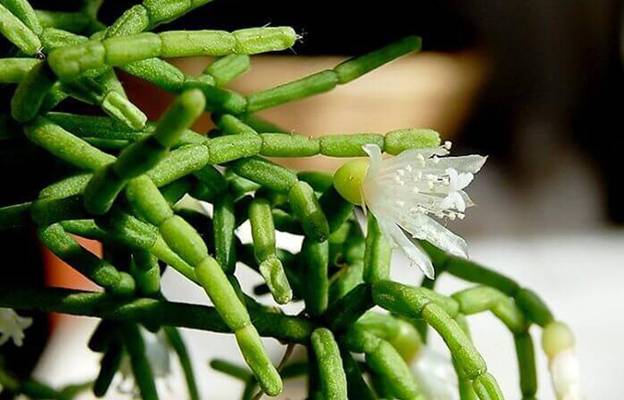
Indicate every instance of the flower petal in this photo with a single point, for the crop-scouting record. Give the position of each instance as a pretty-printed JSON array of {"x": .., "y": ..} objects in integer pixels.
[
  {"x": 471, "y": 163},
  {"x": 424, "y": 227},
  {"x": 415, "y": 254},
  {"x": 565, "y": 375}
]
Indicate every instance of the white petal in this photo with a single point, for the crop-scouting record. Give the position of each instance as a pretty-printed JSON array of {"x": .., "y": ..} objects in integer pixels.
[
  {"x": 415, "y": 254},
  {"x": 374, "y": 153},
  {"x": 414, "y": 157},
  {"x": 425, "y": 228},
  {"x": 565, "y": 375},
  {"x": 467, "y": 200},
  {"x": 471, "y": 163},
  {"x": 453, "y": 201}
]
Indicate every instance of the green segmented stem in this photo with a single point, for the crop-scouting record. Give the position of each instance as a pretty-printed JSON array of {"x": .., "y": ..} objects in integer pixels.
[
  {"x": 185, "y": 241},
  {"x": 378, "y": 253},
  {"x": 345, "y": 280},
  {"x": 415, "y": 302},
  {"x": 213, "y": 184},
  {"x": 486, "y": 387},
  {"x": 228, "y": 101},
  {"x": 151, "y": 312},
  {"x": 263, "y": 234},
  {"x": 109, "y": 365},
  {"x": 224, "y": 225},
  {"x": 177, "y": 343},
  {"x": 525, "y": 354},
  {"x": 24, "y": 11},
  {"x": 151, "y": 13},
  {"x": 307, "y": 209},
  {"x": 316, "y": 258},
  {"x": 357, "y": 387},
  {"x": 299, "y": 89},
  {"x": 458, "y": 343},
  {"x": 473, "y": 272},
  {"x": 52, "y": 38},
  {"x": 66, "y": 146},
  {"x": 320, "y": 181},
  {"x": 74, "y": 22},
  {"x": 135, "y": 346},
  {"x": 13, "y": 70},
  {"x": 125, "y": 229},
  {"x": 385, "y": 361},
  {"x": 331, "y": 373},
  {"x": 30, "y": 388},
  {"x": 99, "y": 271},
  {"x": 337, "y": 210},
  {"x": 288, "y": 265},
  {"x": 482, "y": 298},
  {"x": 327, "y": 80},
  {"x": 46, "y": 212},
  {"x": 104, "y": 334},
  {"x": 69, "y": 62},
  {"x": 31, "y": 92},
  {"x": 17, "y": 32},
  {"x": 466, "y": 391},
  {"x": 226, "y": 69},
  {"x": 402, "y": 335},
  {"x": 231, "y": 125},
  {"x": 145, "y": 270},
  {"x": 349, "y": 308},
  {"x": 96, "y": 127},
  {"x": 533, "y": 306},
  {"x": 358, "y": 66},
  {"x": 143, "y": 155},
  {"x": 15, "y": 216},
  {"x": 242, "y": 142},
  {"x": 231, "y": 369},
  {"x": 180, "y": 163},
  {"x": 101, "y": 87},
  {"x": 528, "y": 301}
]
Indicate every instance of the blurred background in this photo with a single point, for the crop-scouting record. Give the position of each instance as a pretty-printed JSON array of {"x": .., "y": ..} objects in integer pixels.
[{"x": 536, "y": 85}]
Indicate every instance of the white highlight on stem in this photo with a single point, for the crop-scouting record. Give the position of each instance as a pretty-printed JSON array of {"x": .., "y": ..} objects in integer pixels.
[{"x": 406, "y": 191}]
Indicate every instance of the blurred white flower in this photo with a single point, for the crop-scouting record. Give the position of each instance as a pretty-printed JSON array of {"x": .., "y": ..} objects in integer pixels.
[
  {"x": 435, "y": 375},
  {"x": 565, "y": 375},
  {"x": 559, "y": 345},
  {"x": 405, "y": 191},
  {"x": 12, "y": 326},
  {"x": 158, "y": 355}
]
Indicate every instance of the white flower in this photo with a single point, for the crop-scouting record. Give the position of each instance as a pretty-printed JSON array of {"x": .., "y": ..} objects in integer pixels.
[
  {"x": 404, "y": 192},
  {"x": 435, "y": 375},
  {"x": 12, "y": 326},
  {"x": 558, "y": 343},
  {"x": 158, "y": 354},
  {"x": 565, "y": 375}
]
